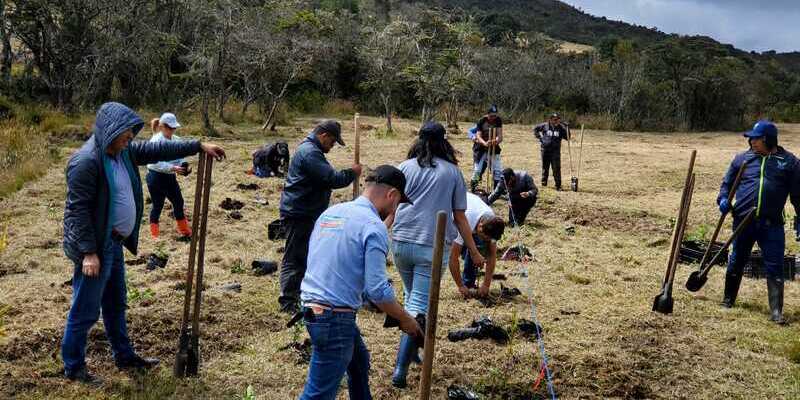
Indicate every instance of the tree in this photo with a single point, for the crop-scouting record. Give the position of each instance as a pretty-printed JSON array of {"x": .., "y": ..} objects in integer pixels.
[{"x": 6, "y": 56}]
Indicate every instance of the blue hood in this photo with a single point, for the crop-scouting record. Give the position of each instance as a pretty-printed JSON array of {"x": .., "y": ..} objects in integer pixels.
[{"x": 113, "y": 119}]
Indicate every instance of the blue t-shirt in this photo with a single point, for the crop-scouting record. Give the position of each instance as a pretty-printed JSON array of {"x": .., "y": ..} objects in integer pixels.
[
  {"x": 124, "y": 218},
  {"x": 440, "y": 188},
  {"x": 347, "y": 257}
]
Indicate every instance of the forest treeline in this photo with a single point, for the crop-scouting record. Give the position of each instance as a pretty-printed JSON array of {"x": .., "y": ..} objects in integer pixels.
[{"x": 447, "y": 60}]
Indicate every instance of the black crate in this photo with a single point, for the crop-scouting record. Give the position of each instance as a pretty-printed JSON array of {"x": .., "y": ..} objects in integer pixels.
[
  {"x": 691, "y": 252},
  {"x": 755, "y": 266}
]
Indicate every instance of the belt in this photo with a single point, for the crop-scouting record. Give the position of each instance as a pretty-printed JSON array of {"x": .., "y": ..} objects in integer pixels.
[
  {"x": 319, "y": 308},
  {"x": 115, "y": 236}
]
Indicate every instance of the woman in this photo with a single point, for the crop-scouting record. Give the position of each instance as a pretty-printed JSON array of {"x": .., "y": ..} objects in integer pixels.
[
  {"x": 161, "y": 181},
  {"x": 433, "y": 183}
]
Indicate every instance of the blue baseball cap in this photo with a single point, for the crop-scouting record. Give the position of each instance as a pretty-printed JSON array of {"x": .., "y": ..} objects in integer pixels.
[{"x": 762, "y": 128}]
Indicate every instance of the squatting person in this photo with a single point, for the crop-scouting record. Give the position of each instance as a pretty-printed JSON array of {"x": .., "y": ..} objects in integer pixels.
[
  {"x": 104, "y": 207},
  {"x": 347, "y": 258},
  {"x": 487, "y": 229},
  {"x": 306, "y": 194},
  {"x": 482, "y": 142},
  {"x": 550, "y": 135},
  {"x": 434, "y": 183},
  {"x": 162, "y": 182},
  {"x": 772, "y": 174},
  {"x": 521, "y": 195}
]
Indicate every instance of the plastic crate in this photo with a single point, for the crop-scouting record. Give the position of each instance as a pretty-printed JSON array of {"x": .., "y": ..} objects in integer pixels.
[
  {"x": 691, "y": 252},
  {"x": 755, "y": 266}
]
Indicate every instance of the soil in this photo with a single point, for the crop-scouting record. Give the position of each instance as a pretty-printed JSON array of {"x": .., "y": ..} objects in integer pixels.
[
  {"x": 248, "y": 186},
  {"x": 230, "y": 204},
  {"x": 301, "y": 350}
]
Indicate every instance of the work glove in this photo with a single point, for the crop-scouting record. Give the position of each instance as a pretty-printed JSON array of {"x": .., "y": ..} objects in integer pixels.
[
  {"x": 724, "y": 206},
  {"x": 797, "y": 228}
]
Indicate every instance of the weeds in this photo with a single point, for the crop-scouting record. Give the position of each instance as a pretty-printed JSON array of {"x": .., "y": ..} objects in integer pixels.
[
  {"x": 238, "y": 266},
  {"x": 249, "y": 393},
  {"x": 134, "y": 294},
  {"x": 4, "y": 240}
]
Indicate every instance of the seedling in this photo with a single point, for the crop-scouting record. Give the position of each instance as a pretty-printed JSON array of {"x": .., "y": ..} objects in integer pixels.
[
  {"x": 4, "y": 240},
  {"x": 249, "y": 393},
  {"x": 134, "y": 294},
  {"x": 237, "y": 267}
]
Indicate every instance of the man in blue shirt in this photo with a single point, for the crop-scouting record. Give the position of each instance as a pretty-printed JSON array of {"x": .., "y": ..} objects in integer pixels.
[
  {"x": 771, "y": 175},
  {"x": 347, "y": 259}
]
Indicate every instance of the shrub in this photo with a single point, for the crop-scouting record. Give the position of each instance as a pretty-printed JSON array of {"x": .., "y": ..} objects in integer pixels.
[{"x": 23, "y": 156}]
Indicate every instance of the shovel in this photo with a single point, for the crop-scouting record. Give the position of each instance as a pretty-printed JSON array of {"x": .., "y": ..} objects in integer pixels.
[
  {"x": 573, "y": 184},
  {"x": 187, "y": 359},
  {"x": 663, "y": 301},
  {"x": 573, "y": 181},
  {"x": 357, "y": 159},
  {"x": 699, "y": 278},
  {"x": 490, "y": 162}
]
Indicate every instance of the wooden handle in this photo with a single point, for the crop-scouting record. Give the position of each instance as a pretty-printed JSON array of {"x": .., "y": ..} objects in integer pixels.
[
  {"x": 356, "y": 157},
  {"x": 201, "y": 248},
  {"x": 433, "y": 307},
  {"x": 722, "y": 216},
  {"x": 198, "y": 199},
  {"x": 675, "y": 244}
]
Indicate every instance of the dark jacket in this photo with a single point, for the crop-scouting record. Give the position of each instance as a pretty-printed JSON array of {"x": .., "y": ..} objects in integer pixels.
[
  {"x": 522, "y": 183},
  {"x": 551, "y": 136},
  {"x": 766, "y": 183},
  {"x": 310, "y": 180},
  {"x": 485, "y": 131},
  {"x": 90, "y": 180}
]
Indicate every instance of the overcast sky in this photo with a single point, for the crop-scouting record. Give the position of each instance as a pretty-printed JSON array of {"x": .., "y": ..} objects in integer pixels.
[{"x": 758, "y": 25}]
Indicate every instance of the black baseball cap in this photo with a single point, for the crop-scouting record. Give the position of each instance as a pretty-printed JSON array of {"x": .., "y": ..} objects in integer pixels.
[
  {"x": 555, "y": 115},
  {"x": 432, "y": 130},
  {"x": 389, "y": 175},
  {"x": 493, "y": 109},
  {"x": 331, "y": 126}
]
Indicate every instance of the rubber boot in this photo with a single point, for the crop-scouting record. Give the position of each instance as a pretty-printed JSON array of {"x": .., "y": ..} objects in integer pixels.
[
  {"x": 404, "y": 355},
  {"x": 154, "y": 230},
  {"x": 775, "y": 294},
  {"x": 732, "y": 282},
  {"x": 183, "y": 227}
]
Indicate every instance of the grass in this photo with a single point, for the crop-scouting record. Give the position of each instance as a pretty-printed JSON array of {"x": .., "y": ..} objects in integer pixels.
[{"x": 608, "y": 272}]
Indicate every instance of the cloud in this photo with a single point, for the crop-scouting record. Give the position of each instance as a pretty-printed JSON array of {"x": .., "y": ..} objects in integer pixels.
[{"x": 748, "y": 25}]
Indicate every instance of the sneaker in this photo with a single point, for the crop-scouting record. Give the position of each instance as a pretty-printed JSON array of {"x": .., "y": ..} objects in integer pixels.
[
  {"x": 83, "y": 376},
  {"x": 136, "y": 362}
]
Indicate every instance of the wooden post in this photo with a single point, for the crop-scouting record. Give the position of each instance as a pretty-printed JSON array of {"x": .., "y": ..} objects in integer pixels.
[
  {"x": 356, "y": 158},
  {"x": 433, "y": 307}
]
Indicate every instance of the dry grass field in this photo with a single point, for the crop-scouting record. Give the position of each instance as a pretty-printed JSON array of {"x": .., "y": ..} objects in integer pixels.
[{"x": 593, "y": 287}]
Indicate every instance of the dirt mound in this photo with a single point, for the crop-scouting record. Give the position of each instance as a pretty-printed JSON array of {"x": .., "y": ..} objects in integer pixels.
[
  {"x": 230, "y": 204},
  {"x": 606, "y": 218}
]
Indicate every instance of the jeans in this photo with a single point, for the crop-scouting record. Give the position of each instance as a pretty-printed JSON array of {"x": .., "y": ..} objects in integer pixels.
[
  {"x": 551, "y": 158},
  {"x": 413, "y": 263},
  {"x": 164, "y": 186},
  {"x": 771, "y": 240},
  {"x": 336, "y": 348},
  {"x": 293, "y": 267},
  {"x": 481, "y": 165},
  {"x": 106, "y": 291},
  {"x": 470, "y": 272}
]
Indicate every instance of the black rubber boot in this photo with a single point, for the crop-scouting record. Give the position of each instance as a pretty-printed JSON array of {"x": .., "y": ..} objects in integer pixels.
[
  {"x": 732, "y": 282},
  {"x": 775, "y": 295}
]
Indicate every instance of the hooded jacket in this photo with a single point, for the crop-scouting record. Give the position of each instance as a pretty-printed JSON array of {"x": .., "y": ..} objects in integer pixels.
[
  {"x": 311, "y": 178},
  {"x": 766, "y": 183},
  {"x": 90, "y": 180}
]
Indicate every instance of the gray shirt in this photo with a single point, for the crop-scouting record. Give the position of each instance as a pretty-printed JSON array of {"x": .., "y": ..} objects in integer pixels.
[
  {"x": 124, "y": 207},
  {"x": 431, "y": 189}
]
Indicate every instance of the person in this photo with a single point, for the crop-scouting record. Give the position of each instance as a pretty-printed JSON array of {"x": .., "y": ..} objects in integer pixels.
[
  {"x": 306, "y": 194},
  {"x": 482, "y": 142},
  {"x": 434, "y": 183},
  {"x": 347, "y": 259},
  {"x": 161, "y": 178},
  {"x": 487, "y": 229},
  {"x": 102, "y": 212},
  {"x": 771, "y": 175},
  {"x": 550, "y": 135},
  {"x": 522, "y": 196},
  {"x": 271, "y": 160}
]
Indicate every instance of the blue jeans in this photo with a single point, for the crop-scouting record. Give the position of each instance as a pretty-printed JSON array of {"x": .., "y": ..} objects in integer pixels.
[
  {"x": 470, "y": 272},
  {"x": 106, "y": 291},
  {"x": 336, "y": 348},
  {"x": 771, "y": 240},
  {"x": 414, "y": 262}
]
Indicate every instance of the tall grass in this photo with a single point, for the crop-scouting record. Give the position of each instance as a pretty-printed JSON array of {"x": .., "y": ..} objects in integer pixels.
[{"x": 23, "y": 156}]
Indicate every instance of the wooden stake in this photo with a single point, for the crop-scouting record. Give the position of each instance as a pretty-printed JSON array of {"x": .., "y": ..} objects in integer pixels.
[
  {"x": 433, "y": 307},
  {"x": 357, "y": 158}
]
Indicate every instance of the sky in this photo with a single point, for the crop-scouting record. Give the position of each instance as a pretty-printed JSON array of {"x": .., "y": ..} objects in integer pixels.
[{"x": 758, "y": 25}]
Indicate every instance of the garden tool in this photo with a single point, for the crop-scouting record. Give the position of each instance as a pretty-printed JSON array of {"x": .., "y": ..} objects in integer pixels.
[
  {"x": 699, "y": 278},
  {"x": 356, "y": 158},
  {"x": 573, "y": 183}
]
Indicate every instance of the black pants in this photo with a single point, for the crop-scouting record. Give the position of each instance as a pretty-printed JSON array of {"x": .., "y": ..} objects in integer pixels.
[
  {"x": 298, "y": 233},
  {"x": 519, "y": 208},
  {"x": 551, "y": 158},
  {"x": 164, "y": 186}
]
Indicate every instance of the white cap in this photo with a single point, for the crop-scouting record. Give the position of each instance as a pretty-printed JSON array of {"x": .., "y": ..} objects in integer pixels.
[{"x": 169, "y": 120}]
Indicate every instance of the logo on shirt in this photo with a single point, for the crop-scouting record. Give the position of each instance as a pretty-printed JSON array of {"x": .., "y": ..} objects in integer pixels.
[{"x": 331, "y": 223}]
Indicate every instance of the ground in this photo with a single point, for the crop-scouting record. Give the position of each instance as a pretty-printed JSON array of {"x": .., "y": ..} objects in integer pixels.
[{"x": 593, "y": 288}]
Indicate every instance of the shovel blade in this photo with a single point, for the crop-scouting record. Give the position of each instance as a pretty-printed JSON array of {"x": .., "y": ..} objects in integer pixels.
[
  {"x": 182, "y": 357},
  {"x": 573, "y": 184},
  {"x": 193, "y": 359},
  {"x": 696, "y": 281},
  {"x": 663, "y": 303}
]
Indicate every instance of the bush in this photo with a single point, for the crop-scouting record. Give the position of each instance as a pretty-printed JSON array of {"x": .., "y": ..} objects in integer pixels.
[{"x": 6, "y": 109}]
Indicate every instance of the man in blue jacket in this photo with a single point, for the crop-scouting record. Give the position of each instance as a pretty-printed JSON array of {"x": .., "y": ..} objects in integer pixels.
[
  {"x": 305, "y": 196},
  {"x": 772, "y": 174},
  {"x": 101, "y": 216}
]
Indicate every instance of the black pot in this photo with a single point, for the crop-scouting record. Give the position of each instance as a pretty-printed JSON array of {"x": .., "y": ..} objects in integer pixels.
[{"x": 155, "y": 261}]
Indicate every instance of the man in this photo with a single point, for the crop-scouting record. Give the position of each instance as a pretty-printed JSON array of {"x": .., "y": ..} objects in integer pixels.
[
  {"x": 521, "y": 195},
  {"x": 550, "y": 135},
  {"x": 482, "y": 142},
  {"x": 305, "y": 196},
  {"x": 102, "y": 214},
  {"x": 487, "y": 229},
  {"x": 347, "y": 259},
  {"x": 771, "y": 175},
  {"x": 271, "y": 160}
]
